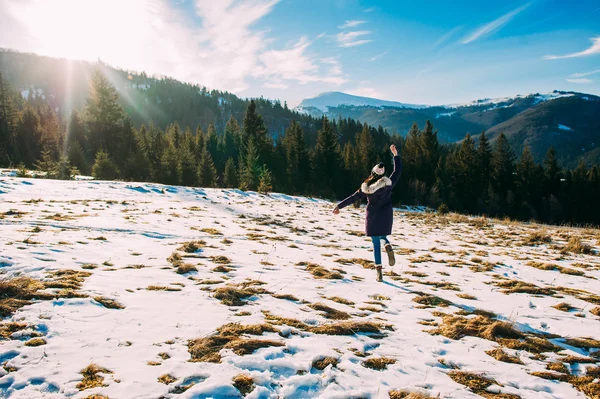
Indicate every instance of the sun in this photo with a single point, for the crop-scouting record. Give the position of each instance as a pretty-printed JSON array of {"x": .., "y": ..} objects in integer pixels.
[{"x": 84, "y": 29}]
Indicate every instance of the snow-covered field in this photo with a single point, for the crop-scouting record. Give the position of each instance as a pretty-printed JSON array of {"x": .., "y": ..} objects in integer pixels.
[{"x": 312, "y": 320}]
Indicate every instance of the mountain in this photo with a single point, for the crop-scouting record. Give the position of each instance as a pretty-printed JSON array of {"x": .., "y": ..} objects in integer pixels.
[
  {"x": 335, "y": 98},
  {"x": 144, "y": 290},
  {"x": 533, "y": 119}
]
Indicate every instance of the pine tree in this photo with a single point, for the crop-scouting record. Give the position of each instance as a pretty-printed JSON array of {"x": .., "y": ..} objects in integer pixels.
[
  {"x": 365, "y": 148},
  {"x": 46, "y": 164},
  {"x": 529, "y": 178},
  {"x": 169, "y": 166},
  {"x": 430, "y": 154},
  {"x": 326, "y": 161},
  {"x": 77, "y": 157},
  {"x": 8, "y": 118},
  {"x": 296, "y": 158},
  {"x": 230, "y": 175},
  {"x": 265, "y": 184},
  {"x": 552, "y": 171},
  {"x": 484, "y": 156},
  {"x": 28, "y": 136},
  {"x": 103, "y": 115},
  {"x": 104, "y": 168},
  {"x": 254, "y": 128},
  {"x": 250, "y": 167},
  {"x": 502, "y": 167},
  {"x": 187, "y": 167},
  {"x": 466, "y": 179},
  {"x": 207, "y": 173},
  {"x": 411, "y": 153}
]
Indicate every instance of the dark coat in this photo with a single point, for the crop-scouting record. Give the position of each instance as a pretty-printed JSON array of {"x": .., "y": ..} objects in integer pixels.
[{"x": 380, "y": 214}]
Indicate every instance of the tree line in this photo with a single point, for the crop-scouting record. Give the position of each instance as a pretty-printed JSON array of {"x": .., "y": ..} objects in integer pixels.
[{"x": 329, "y": 160}]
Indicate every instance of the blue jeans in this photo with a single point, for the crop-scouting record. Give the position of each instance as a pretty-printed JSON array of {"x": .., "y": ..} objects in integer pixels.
[{"x": 377, "y": 247}]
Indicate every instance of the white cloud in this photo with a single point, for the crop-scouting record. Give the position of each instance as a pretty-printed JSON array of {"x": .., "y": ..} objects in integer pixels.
[
  {"x": 593, "y": 49},
  {"x": 370, "y": 9},
  {"x": 378, "y": 56},
  {"x": 446, "y": 36},
  {"x": 351, "y": 39},
  {"x": 495, "y": 24},
  {"x": 294, "y": 64},
  {"x": 351, "y": 24},
  {"x": 580, "y": 80},
  {"x": 365, "y": 91},
  {"x": 219, "y": 47},
  {"x": 581, "y": 75}
]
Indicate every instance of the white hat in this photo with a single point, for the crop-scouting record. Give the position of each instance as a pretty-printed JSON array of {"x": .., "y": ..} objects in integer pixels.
[{"x": 378, "y": 169}]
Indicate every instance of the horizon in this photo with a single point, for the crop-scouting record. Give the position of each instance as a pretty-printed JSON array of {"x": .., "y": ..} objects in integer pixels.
[{"x": 289, "y": 51}]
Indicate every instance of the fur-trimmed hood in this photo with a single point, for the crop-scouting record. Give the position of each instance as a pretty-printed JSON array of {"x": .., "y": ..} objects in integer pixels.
[{"x": 371, "y": 188}]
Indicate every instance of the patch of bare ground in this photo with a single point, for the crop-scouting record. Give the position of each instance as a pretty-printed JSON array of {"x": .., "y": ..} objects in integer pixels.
[
  {"x": 583, "y": 343},
  {"x": 576, "y": 246},
  {"x": 230, "y": 336},
  {"x": 92, "y": 377},
  {"x": 231, "y": 295},
  {"x": 585, "y": 383},
  {"x": 35, "y": 342},
  {"x": 516, "y": 287},
  {"x": 564, "y": 307},
  {"x": 457, "y": 327},
  {"x": 288, "y": 297},
  {"x": 319, "y": 272},
  {"x": 466, "y": 296},
  {"x": 478, "y": 384},
  {"x": 378, "y": 363},
  {"x": 430, "y": 301},
  {"x": 67, "y": 279},
  {"x": 184, "y": 268},
  {"x": 243, "y": 383},
  {"x": 108, "y": 303},
  {"x": 329, "y": 312},
  {"x": 502, "y": 356},
  {"x": 323, "y": 362},
  {"x": 402, "y": 394},
  {"x": 166, "y": 379},
  {"x": 367, "y": 264},
  {"x": 552, "y": 267},
  {"x": 595, "y": 311},
  {"x": 162, "y": 288},
  {"x": 222, "y": 260},
  {"x": 18, "y": 292},
  {"x": 211, "y": 231},
  {"x": 537, "y": 237},
  {"x": 581, "y": 294}
]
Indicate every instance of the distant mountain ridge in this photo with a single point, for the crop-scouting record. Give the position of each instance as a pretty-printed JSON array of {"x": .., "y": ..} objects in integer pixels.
[{"x": 568, "y": 120}]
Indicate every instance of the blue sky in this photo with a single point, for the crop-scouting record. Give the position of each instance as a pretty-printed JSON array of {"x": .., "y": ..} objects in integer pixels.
[{"x": 424, "y": 52}]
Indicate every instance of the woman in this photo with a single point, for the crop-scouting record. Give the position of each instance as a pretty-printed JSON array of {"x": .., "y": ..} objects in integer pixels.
[{"x": 377, "y": 189}]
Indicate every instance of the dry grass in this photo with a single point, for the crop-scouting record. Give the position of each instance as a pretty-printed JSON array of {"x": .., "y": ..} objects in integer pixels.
[
  {"x": 323, "y": 362},
  {"x": 367, "y": 264},
  {"x": 184, "y": 268},
  {"x": 378, "y": 363},
  {"x": 502, "y": 356},
  {"x": 231, "y": 295},
  {"x": 91, "y": 377},
  {"x": 229, "y": 336},
  {"x": 67, "y": 278},
  {"x": 521, "y": 287},
  {"x": 161, "y": 288},
  {"x": 166, "y": 379},
  {"x": 329, "y": 312},
  {"x": 7, "y": 329},
  {"x": 584, "y": 343},
  {"x": 192, "y": 246},
  {"x": 211, "y": 231},
  {"x": 221, "y": 269},
  {"x": 431, "y": 301},
  {"x": 18, "y": 292},
  {"x": 288, "y": 297},
  {"x": 552, "y": 267},
  {"x": 457, "y": 327},
  {"x": 96, "y": 396},
  {"x": 537, "y": 237},
  {"x": 89, "y": 266},
  {"x": 595, "y": 311},
  {"x": 348, "y": 328},
  {"x": 319, "y": 272},
  {"x": 466, "y": 296},
  {"x": 402, "y": 394},
  {"x": 564, "y": 307},
  {"x": 222, "y": 260},
  {"x": 35, "y": 342},
  {"x": 475, "y": 382},
  {"x": 576, "y": 359},
  {"x": 243, "y": 383},
  {"x": 108, "y": 303},
  {"x": 576, "y": 246},
  {"x": 340, "y": 300}
]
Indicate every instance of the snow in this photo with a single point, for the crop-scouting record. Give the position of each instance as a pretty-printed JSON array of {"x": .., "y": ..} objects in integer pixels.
[
  {"x": 445, "y": 114},
  {"x": 25, "y": 93},
  {"x": 144, "y": 223},
  {"x": 335, "y": 99},
  {"x": 538, "y": 98},
  {"x": 565, "y": 128}
]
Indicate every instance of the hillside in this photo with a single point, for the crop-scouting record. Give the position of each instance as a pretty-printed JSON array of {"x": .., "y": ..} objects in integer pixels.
[
  {"x": 531, "y": 119},
  {"x": 123, "y": 289},
  {"x": 65, "y": 85}
]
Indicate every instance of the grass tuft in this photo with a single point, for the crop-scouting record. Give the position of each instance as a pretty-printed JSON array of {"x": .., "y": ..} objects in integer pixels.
[
  {"x": 191, "y": 247},
  {"x": 329, "y": 312},
  {"x": 502, "y": 356},
  {"x": 166, "y": 379},
  {"x": 244, "y": 383},
  {"x": 184, "y": 268},
  {"x": 92, "y": 378},
  {"x": 234, "y": 296},
  {"x": 402, "y": 394},
  {"x": 576, "y": 246},
  {"x": 108, "y": 303},
  {"x": 378, "y": 363},
  {"x": 322, "y": 362},
  {"x": 35, "y": 342},
  {"x": 18, "y": 292},
  {"x": 341, "y": 300}
]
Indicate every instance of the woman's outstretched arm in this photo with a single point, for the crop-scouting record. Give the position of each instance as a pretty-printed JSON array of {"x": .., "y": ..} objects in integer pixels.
[
  {"x": 358, "y": 195},
  {"x": 395, "y": 176}
]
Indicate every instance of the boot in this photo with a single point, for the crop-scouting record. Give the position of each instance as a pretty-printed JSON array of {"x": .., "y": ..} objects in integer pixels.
[
  {"x": 390, "y": 252},
  {"x": 379, "y": 273}
]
